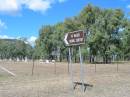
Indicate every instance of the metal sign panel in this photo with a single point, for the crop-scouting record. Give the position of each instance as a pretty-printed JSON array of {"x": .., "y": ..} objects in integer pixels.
[{"x": 74, "y": 38}]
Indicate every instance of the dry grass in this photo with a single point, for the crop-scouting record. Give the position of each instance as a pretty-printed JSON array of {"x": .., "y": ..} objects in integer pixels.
[{"x": 106, "y": 81}]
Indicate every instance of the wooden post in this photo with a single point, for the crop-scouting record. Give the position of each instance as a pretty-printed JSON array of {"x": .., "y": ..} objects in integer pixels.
[
  {"x": 117, "y": 67},
  {"x": 68, "y": 68},
  {"x": 95, "y": 67},
  {"x": 33, "y": 67},
  {"x": 55, "y": 66}
]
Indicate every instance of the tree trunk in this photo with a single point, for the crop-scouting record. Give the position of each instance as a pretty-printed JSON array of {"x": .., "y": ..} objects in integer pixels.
[
  {"x": 60, "y": 57},
  {"x": 90, "y": 59},
  {"x": 105, "y": 59},
  {"x": 75, "y": 58}
]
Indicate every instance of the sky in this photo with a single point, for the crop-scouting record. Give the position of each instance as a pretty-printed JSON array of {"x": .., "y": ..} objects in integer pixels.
[{"x": 24, "y": 18}]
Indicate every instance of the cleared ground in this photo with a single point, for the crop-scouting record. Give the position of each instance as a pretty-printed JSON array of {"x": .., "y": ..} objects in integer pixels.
[{"x": 106, "y": 81}]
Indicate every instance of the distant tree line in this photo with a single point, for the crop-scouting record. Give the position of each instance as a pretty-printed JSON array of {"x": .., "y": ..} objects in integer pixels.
[
  {"x": 107, "y": 36},
  {"x": 13, "y": 49}
]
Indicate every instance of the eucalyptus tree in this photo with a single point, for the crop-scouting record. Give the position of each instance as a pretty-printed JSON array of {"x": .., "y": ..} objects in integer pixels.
[
  {"x": 102, "y": 27},
  {"x": 12, "y": 49},
  {"x": 45, "y": 41},
  {"x": 106, "y": 32},
  {"x": 126, "y": 41},
  {"x": 58, "y": 43},
  {"x": 87, "y": 18}
]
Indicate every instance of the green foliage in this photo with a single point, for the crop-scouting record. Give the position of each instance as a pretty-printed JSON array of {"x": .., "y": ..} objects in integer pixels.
[
  {"x": 107, "y": 34},
  {"x": 11, "y": 48}
]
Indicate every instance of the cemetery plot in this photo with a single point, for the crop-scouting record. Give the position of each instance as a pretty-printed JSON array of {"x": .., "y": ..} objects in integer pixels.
[{"x": 105, "y": 82}]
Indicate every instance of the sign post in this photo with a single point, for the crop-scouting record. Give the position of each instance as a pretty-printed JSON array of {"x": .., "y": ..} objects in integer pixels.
[
  {"x": 81, "y": 70},
  {"x": 76, "y": 38},
  {"x": 70, "y": 67}
]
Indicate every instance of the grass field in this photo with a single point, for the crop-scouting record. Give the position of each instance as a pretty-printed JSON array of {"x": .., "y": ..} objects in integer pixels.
[{"x": 106, "y": 81}]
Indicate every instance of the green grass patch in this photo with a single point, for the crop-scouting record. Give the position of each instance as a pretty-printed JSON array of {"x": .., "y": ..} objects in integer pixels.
[{"x": 3, "y": 77}]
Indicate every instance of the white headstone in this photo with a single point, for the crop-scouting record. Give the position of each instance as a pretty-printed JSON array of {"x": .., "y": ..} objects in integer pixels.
[
  {"x": 17, "y": 59},
  {"x": 10, "y": 59},
  {"x": 26, "y": 59},
  {"x": 47, "y": 61}
]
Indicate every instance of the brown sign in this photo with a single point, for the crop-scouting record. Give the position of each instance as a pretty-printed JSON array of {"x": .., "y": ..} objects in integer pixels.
[{"x": 74, "y": 38}]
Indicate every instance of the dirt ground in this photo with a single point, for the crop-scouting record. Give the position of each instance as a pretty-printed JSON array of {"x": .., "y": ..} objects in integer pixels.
[{"x": 105, "y": 82}]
